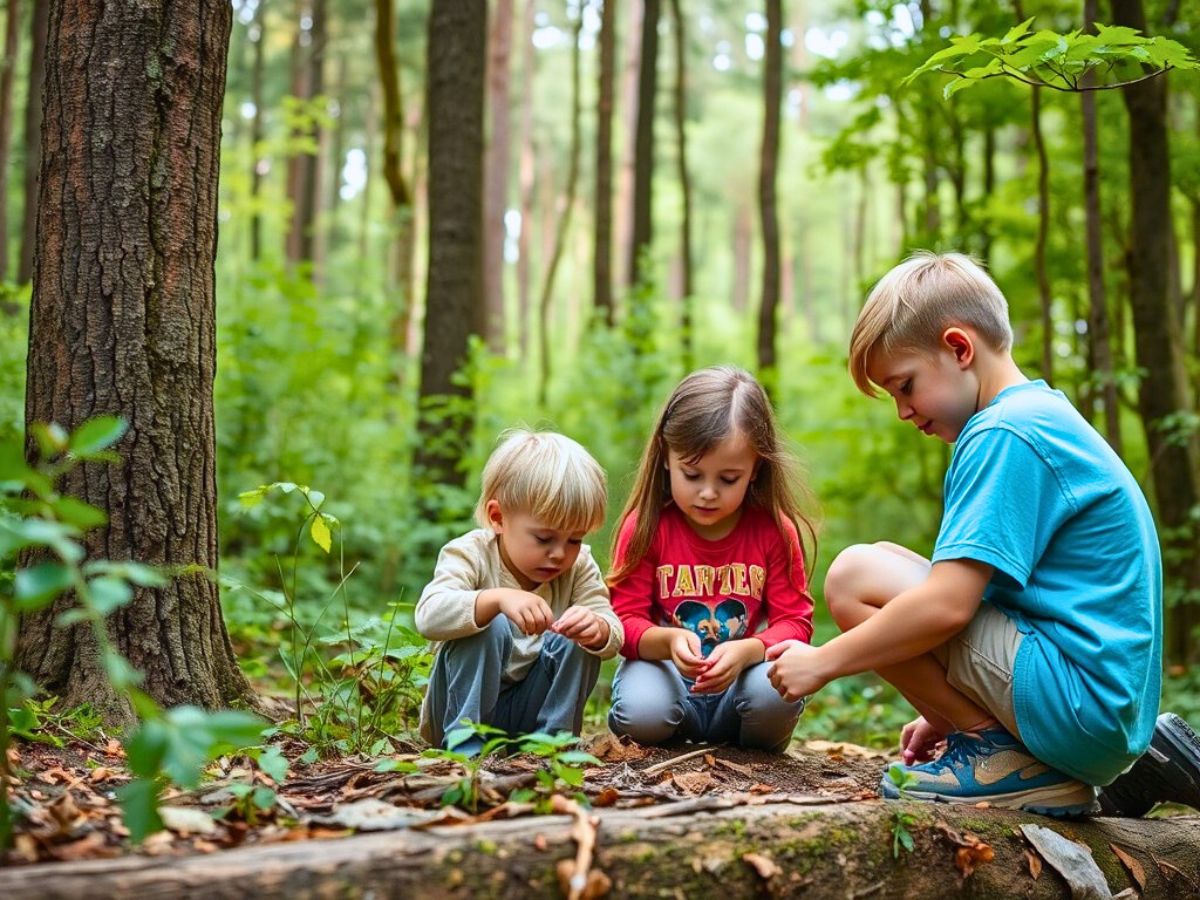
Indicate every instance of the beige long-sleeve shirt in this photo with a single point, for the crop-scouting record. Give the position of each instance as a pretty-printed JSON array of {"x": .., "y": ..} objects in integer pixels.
[{"x": 472, "y": 563}]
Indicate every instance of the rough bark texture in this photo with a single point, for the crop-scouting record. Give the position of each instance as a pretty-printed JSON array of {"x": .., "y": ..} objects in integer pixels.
[
  {"x": 768, "y": 215},
  {"x": 457, "y": 50},
  {"x": 631, "y": 46},
  {"x": 1039, "y": 245},
  {"x": 643, "y": 171},
  {"x": 495, "y": 173},
  {"x": 33, "y": 137},
  {"x": 122, "y": 321},
  {"x": 308, "y": 58},
  {"x": 820, "y": 851},
  {"x": 525, "y": 177},
  {"x": 12, "y": 38},
  {"x": 1158, "y": 340},
  {"x": 256, "y": 127},
  {"x": 602, "y": 255}
]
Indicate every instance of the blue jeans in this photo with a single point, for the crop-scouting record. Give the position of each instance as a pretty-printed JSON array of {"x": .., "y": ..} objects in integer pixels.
[
  {"x": 467, "y": 683},
  {"x": 652, "y": 703}
]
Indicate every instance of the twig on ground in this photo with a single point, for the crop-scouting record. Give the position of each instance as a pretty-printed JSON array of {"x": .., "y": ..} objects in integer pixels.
[
  {"x": 675, "y": 760},
  {"x": 583, "y": 832}
]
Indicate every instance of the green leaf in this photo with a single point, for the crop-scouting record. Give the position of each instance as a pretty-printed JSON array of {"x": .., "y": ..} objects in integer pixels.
[
  {"x": 145, "y": 748},
  {"x": 120, "y": 672},
  {"x": 38, "y": 585},
  {"x": 309, "y": 756},
  {"x": 76, "y": 512},
  {"x": 316, "y": 498},
  {"x": 396, "y": 765},
  {"x": 139, "y": 805},
  {"x": 97, "y": 434},
  {"x": 108, "y": 594},
  {"x": 906, "y": 839},
  {"x": 264, "y": 798},
  {"x": 320, "y": 533},
  {"x": 137, "y": 573},
  {"x": 250, "y": 499},
  {"x": 51, "y": 439},
  {"x": 12, "y": 462},
  {"x": 1016, "y": 31},
  {"x": 274, "y": 764},
  {"x": 573, "y": 777},
  {"x": 17, "y": 534},
  {"x": 958, "y": 84},
  {"x": 578, "y": 757}
]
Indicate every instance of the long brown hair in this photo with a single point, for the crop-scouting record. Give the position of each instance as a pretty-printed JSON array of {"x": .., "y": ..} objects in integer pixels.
[{"x": 704, "y": 409}]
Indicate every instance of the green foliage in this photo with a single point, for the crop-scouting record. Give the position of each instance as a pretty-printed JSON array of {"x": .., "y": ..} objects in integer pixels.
[
  {"x": 902, "y": 821},
  {"x": 1059, "y": 61}
]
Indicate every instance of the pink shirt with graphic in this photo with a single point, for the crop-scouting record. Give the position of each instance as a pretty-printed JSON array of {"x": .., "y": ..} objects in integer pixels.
[{"x": 722, "y": 590}]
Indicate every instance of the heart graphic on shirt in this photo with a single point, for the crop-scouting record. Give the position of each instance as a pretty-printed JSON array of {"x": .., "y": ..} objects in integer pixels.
[{"x": 725, "y": 623}]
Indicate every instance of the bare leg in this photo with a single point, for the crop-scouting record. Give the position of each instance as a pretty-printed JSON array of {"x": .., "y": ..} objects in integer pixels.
[{"x": 860, "y": 582}]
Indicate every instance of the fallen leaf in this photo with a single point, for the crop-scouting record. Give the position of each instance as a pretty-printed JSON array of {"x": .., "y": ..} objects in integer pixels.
[
  {"x": 373, "y": 815},
  {"x": 25, "y": 848},
  {"x": 539, "y": 842},
  {"x": 187, "y": 820},
  {"x": 1035, "y": 864},
  {"x": 90, "y": 846},
  {"x": 1127, "y": 894},
  {"x": 694, "y": 782},
  {"x": 736, "y": 767},
  {"x": 761, "y": 788},
  {"x": 710, "y": 760},
  {"x": 841, "y": 748},
  {"x": 65, "y": 812},
  {"x": 610, "y": 748},
  {"x": 763, "y": 865},
  {"x": 1072, "y": 860},
  {"x": 1136, "y": 871},
  {"x": 606, "y": 797},
  {"x": 967, "y": 858}
]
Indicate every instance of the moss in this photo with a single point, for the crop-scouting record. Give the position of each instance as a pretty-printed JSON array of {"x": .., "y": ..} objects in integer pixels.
[{"x": 486, "y": 847}]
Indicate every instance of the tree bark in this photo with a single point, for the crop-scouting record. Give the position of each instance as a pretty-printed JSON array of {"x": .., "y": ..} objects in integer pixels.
[
  {"x": 602, "y": 257},
  {"x": 12, "y": 43},
  {"x": 526, "y": 179},
  {"x": 457, "y": 49},
  {"x": 1099, "y": 346},
  {"x": 122, "y": 322},
  {"x": 989, "y": 187},
  {"x": 687, "y": 288},
  {"x": 495, "y": 173},
  {"x": 820, "y": 851},
  {"x": 563, "y": 226},
  {"x": 643, "y": 167},
  {"x": 768, "y": 214},
  {"x": 623, "y": 221},
  {"x": 256, "y": 128},
  {"x": 33, "y": 138},
  {"x": 1045, "y": 300},
  {"x": 1163, "y": 391},
  {"x": 303, "y": 176}
]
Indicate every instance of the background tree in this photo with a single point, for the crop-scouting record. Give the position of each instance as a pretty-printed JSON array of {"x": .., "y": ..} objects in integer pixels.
[
  {"x": 643, "y": 186},
  {"x": 769, "y": 217},
  {"x": 138, "y": 198},
  {"x": 495, "y": 173},
  {"x": 12, "y": 42},
  {"x": 33, "y": 137},
  {"x": 602, "y": 254}
]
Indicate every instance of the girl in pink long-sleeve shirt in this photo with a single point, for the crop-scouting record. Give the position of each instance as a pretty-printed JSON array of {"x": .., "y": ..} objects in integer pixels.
[{"x": 709, "y": 552}]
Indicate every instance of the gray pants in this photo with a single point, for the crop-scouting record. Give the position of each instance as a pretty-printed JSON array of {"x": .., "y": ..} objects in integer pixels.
[
  {"x": 652, "y": 703},
  {"x": 466, "y": 683}
]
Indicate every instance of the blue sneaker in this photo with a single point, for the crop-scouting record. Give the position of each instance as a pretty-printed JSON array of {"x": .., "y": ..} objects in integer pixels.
[{"x": 993, "y": 766}]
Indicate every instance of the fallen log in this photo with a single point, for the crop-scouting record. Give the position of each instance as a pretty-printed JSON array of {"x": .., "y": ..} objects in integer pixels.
[{"x": 783, "y": 849}]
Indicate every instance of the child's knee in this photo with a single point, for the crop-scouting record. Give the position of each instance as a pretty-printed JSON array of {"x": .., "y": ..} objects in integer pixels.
[
  {"x": 758, "y": 695},
  {"x": 843, "y": 581},
  {"x": 647, "y": 720}
]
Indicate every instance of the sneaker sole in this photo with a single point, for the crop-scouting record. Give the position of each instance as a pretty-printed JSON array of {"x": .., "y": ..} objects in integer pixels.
[
  {"x": 1050, "y": 801},
  {"x": 1169, "y": 771},
  {"x": 1179, "y": 736}
]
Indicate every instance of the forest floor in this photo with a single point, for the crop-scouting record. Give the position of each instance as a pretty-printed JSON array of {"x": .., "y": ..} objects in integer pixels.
[{"x": 658, "y": 822}]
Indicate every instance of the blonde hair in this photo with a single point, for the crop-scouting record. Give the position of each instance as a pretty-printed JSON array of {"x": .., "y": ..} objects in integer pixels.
[
  {"x": 707, "y": 406},
  {"x": 547, "y": 476},
  {"x": 913, "y": 304}
]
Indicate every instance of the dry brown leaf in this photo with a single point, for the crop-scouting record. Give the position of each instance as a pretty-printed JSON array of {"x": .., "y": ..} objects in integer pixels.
[
  {"x": 842, "y": 749},
  {"x": 114, "y": 748},
  {"x": 65, "y": 812},
  {"x": 606, "y": 797},
  {"x": 1035, "y": 864},
  {"x": 610, "y": 748},
  {"x": 1136, "y": 871},
  {"x": 967, "y": 858},
  {"x": 25, "y": 848},
  {"x": 763, "y": 865},
  {"x": 736, "y": 767},
  {"x": 761, "y": 788},
  {"x": 90, "y": 846},
  {"x": 694, "y": 782}
]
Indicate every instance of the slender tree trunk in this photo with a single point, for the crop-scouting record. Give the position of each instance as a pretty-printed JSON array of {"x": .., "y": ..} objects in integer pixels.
[
  {"x": 337, "y": 155},
  {"x": 1039, "y": 245},
  {"x": 564, "y": 221},
  {"x": 602, "y": 257},
  {"x": 393, "y": 174},
  {"x": 12, "y": 43},
  {"x": 258, "y": 30},
  {"x": 495, "y": 173},
  {"x": 122, "y": 322},
  {"x": 931, "y": 214},
  {"x": 457, "y": 50},
  {"x": 989, "y": 187},
  {"x": 527, "y": 179},
  {"x": 308, "y": 55},
  {"x": 33, "y": 137},
  {"x": 643, "y": 174},
  {"x": 743, "y": 237},
  {"x": 1099, "y": 346},
  {"x": 625, "y": 178},
  {"x": 687, "y": 289},
  {"x": 1163, "y": 392},
  {"x": 768, "y": 163}
]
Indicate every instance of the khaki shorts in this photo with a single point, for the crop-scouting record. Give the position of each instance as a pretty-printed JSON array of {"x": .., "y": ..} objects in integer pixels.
[{"x": 979, "y": 662}]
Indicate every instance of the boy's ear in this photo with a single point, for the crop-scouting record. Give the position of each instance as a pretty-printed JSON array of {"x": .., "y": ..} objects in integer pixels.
[
  {"x": 959, "y": 342},
  {"x": 495, "y": 515}
]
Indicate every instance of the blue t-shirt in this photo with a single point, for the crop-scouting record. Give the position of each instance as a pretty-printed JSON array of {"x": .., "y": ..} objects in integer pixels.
[{"x": 1035, "y": 492}]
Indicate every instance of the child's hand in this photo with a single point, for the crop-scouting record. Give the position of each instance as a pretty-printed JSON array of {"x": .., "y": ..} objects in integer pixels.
[
  {"x": 582, "y": 626},
  {"x": 794, "y": 671},
  {"x": 685, "y": 653},
  {"x": 725, "y": 663},
  {"x": 919, "y": 740},
  {"x": 526, "y": 610}
]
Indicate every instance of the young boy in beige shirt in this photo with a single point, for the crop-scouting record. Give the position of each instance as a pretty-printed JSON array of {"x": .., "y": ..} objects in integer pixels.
[{"x": 518, "y": 606}]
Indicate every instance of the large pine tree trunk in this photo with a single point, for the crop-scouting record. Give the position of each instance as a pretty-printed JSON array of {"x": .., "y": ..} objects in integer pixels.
[
  {"x": 495, "y": 174},
  {"x": 643, "y": 163},
  {"x": 1163, "y": 391},
  {"x": 768, "y": 163},
  {"x": 33, "y": 137},
  {"x": 456, "y": 54},
  {"x": 602, "y": 258},
  {"x": 122, "y": 321},
  {"x": 12, "y": 36}
]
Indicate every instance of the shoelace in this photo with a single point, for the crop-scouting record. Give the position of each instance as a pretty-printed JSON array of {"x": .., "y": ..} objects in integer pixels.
[{"x": 959, "y": 746}]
